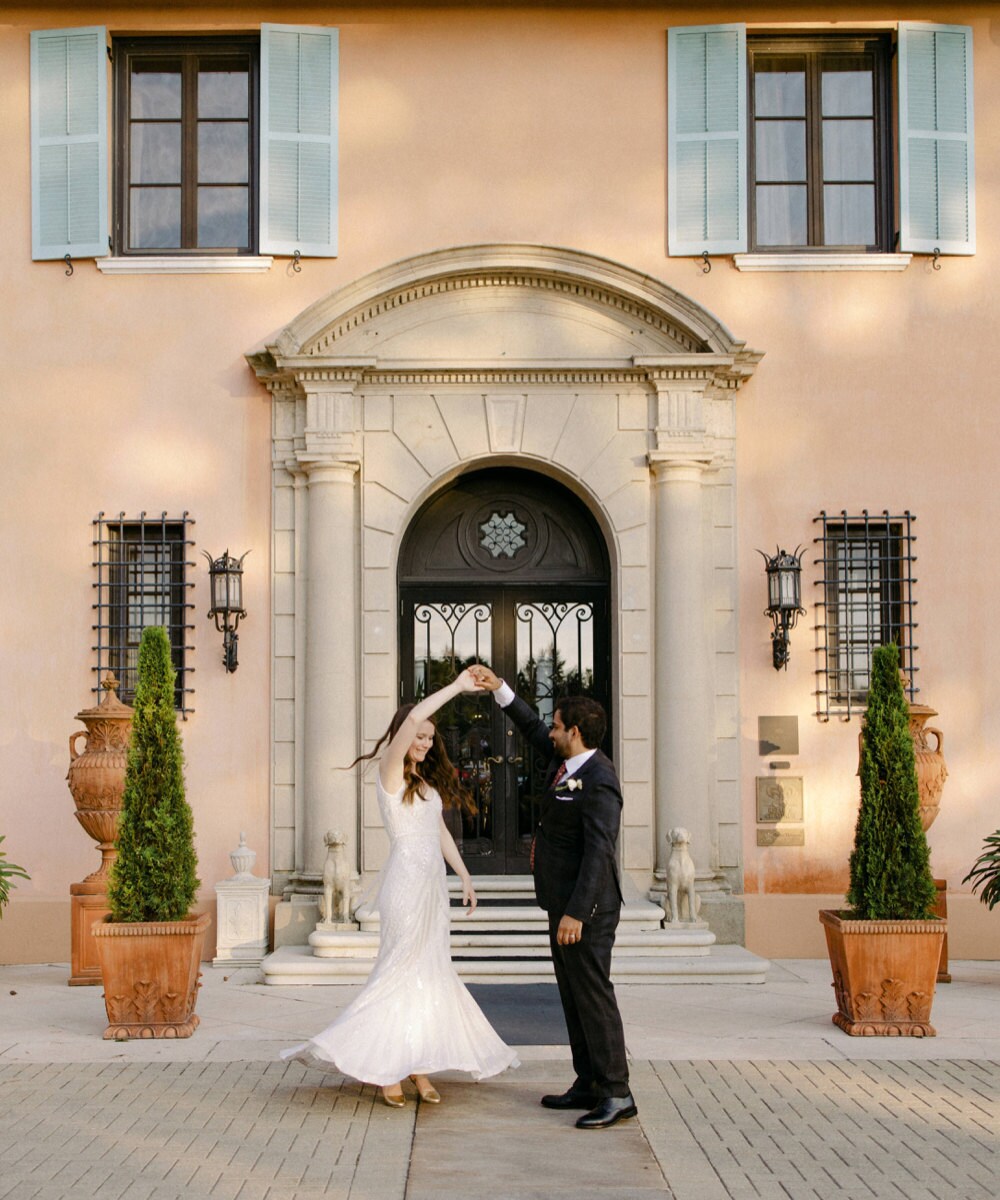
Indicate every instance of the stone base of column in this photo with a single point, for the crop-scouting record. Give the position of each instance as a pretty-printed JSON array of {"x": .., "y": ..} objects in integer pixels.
[
  {"x": 725, "y": 917},
  {"x": 295, "y": 918}
]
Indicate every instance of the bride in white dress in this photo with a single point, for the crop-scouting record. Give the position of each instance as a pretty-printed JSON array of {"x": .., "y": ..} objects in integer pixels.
[{"x": 414, "y": 1016}]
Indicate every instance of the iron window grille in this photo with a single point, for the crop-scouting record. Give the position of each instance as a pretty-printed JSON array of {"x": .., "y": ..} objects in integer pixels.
[
  {"x": 865, "y": 600},
  {"x": 142, "y": 580}
]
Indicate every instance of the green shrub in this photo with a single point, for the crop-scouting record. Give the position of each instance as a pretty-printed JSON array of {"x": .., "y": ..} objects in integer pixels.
[
  {"x": 985, "y": 871},
  {"x": 890, "y": 865},
  {"x": 8, "y": 872},
  {"x": 153, "y": 878}
]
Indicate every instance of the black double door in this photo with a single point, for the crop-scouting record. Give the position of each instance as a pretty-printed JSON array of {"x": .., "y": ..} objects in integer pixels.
[{"x": 546, "y": 641}]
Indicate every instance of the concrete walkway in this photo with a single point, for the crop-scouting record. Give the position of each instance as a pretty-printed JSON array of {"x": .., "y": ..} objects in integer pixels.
[{"x": 743, "y": 1091}]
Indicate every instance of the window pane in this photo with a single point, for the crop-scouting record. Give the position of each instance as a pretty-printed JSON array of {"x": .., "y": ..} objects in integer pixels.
[
  {"x": 848, "y": 150},
  {"x": 222, "y": 152},
  {"x": 779, "y": 91},
  {"x": 781, "y": 151},
  {"x": 849, "y": 215},
  {"x": 781, "y": 216},
  {"x": 155, "y": 218},
  {"x": 155, "y": 91},
  {"x": 155, "y": 153},
  {"x": 222, "y": 93},
  {"x": 223, "y": 217},
  {"x": 847, "y": 94}
]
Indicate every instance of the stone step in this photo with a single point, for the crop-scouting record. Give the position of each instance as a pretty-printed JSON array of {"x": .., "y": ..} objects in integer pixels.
[
  {"x": 486, "y": 944},
  {"x": 512, "y": 907},
  {"x": 296, "y": 966}
]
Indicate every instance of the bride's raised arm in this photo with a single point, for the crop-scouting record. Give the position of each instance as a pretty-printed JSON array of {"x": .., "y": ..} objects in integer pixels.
[{"x": 390, "y": 765}]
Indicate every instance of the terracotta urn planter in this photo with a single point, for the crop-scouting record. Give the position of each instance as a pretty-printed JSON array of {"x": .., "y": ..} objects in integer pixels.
[
  {"x": 931, "y": 769},
  {"x": 96, "y": 780},
  {"x": 884, "y": 974},
  {"x": 96, "y": 776},
  {"x": 151, "y": 973}
]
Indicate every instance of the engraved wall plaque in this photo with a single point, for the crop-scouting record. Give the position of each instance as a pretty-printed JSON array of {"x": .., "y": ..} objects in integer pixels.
[
  {"x": 781, "y": 837},
  {"x": 779, "y": 798},
  {"x": 777, "y": 735}
]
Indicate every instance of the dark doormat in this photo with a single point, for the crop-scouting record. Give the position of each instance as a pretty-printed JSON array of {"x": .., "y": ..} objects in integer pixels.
[{"x": 523, "y": 1014}]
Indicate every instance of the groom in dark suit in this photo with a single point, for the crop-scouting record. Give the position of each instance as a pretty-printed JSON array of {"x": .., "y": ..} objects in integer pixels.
[{"x": 576, "y": 882}]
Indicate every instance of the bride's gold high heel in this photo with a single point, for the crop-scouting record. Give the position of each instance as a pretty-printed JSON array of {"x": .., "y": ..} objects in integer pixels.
[
  {"x": 428, "y": 1093},
  {"x": 392, "y": 1100}
]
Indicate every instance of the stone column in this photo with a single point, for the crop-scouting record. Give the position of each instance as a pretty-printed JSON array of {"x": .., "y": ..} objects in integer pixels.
[
  {"x": 330, "y": 720},
  {"x": 683, "y": 680},
  {"x": 330, "y": 723}
]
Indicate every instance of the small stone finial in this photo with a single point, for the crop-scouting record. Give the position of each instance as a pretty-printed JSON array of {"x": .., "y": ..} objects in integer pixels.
[{"x": 243, "y": 859}]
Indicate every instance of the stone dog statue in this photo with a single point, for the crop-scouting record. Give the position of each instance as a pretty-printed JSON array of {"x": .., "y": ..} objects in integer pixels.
[
  {"x": 339, "y": 882},
  {"x": 684, "y": 902}
]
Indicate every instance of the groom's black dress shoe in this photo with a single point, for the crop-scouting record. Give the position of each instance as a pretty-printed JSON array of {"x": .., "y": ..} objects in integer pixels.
[
  {"x": 571, "y": 1099},
  {"x": 610, "y": 1110}
]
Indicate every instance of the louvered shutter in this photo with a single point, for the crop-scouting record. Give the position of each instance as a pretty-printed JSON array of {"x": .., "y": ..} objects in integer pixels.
[
  {"x": 69, "y": 143},
  {"x": 298, "y": 141},
  {"x": 707, "y": 141},
  {"x": 936, "y": 164}
]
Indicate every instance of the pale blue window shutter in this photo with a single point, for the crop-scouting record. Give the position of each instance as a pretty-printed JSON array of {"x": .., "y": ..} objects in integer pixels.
[
  {"x": 69, "y": 143},
  {"x": 707, "y": 139},
  {"x": 298, "y": 141},
  {"x": 936, "y": 165}
]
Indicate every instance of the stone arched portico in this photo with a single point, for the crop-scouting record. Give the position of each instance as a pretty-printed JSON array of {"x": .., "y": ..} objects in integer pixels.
[{"x": 560, "y": 362}]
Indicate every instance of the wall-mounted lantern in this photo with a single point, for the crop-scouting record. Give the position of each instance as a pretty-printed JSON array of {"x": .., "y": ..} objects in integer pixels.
[
  {"x": 226, "y": 576},
  {"x": 784, "y": 600}
]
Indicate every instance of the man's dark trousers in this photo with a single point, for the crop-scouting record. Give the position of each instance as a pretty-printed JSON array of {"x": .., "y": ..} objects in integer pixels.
[{"x": 596, "y": 1036}]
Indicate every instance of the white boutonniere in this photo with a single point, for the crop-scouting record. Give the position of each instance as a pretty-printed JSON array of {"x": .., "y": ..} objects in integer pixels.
[{"x": 571, "y": 785}]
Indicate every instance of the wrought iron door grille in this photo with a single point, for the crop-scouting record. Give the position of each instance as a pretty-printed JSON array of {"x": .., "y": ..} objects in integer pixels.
[
  {"x": 142, "y": 569},
  {"x": 865, "y": 600}
]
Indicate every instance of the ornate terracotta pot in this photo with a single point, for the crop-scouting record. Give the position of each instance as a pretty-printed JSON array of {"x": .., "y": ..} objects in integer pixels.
[
  {"x": 96, "y": 776},
  {"x": 150, "y": 972},
  {"x": 884, "y": 974},
  {"x": 931, "y": 769}
]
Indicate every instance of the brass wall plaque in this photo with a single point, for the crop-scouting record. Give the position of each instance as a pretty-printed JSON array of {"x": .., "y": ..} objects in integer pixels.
[
  {"x": 781, "y": 837},
  {"x": 779, "y": 798},
  {"x": 777, "y": 735}
]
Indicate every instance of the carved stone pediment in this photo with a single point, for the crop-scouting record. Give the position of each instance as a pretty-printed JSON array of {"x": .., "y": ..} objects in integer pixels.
[{"x": 501, "y": 309}]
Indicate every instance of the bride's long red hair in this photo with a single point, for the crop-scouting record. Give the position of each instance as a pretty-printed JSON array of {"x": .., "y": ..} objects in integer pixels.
[{"x": 436, "y": 770}]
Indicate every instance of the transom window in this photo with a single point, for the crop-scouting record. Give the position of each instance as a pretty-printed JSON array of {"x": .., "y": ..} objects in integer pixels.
[
  {"x": 185, "y": 166},
  {"x": 142, "y": 567},
  {"x": 866, "y": 600},
  {"x": 819, "y": 154}
]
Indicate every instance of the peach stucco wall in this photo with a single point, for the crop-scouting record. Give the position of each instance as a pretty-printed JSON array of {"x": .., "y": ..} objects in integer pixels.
[{"x": 477, "y": 125}]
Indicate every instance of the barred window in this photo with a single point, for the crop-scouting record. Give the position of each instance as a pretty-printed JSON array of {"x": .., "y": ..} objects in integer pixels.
[
  {"x": 142, "y": 567},
  {"x": 865, "y": 600}
]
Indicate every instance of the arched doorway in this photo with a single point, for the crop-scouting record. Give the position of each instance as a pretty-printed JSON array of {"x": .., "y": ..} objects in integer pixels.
[{"x": 509, "y": 568}]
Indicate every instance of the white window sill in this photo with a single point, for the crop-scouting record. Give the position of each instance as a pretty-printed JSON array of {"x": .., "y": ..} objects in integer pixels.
[
  {"x": 176, "y": 264},
  {"x": 821, "y": 262}
]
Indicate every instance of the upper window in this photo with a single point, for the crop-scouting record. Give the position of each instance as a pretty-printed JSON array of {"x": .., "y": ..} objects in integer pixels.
[
  {"x": 185, "y": 171},
  {"x": 202, "y": 164},
  {"x": 142, "y": 567},
  {"x": 866, "y": 600},
  {"x": 820, "y": 173},
  {"x": 785, "y": 144}
]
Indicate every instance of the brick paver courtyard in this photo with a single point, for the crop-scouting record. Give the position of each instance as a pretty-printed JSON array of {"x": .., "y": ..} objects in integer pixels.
[{"x": 788, "y": 1130}]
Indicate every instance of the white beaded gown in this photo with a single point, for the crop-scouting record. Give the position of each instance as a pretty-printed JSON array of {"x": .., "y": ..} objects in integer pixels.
[{"x": 414, "y": 1016}]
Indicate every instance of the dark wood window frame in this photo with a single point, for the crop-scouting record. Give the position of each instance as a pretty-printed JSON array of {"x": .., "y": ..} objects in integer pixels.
[
  {"x": 190, "y": 51},
  {"x": 814, "y": 50}
]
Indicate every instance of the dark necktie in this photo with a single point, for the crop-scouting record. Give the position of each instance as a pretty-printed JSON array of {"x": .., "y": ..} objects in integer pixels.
[{"x": 560, "y": 773}]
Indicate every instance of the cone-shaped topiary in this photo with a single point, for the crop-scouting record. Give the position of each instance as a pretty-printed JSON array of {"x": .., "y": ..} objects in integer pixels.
[
  {"x": 890, "y": 864},
  {"x": 153, "y": 878}
]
